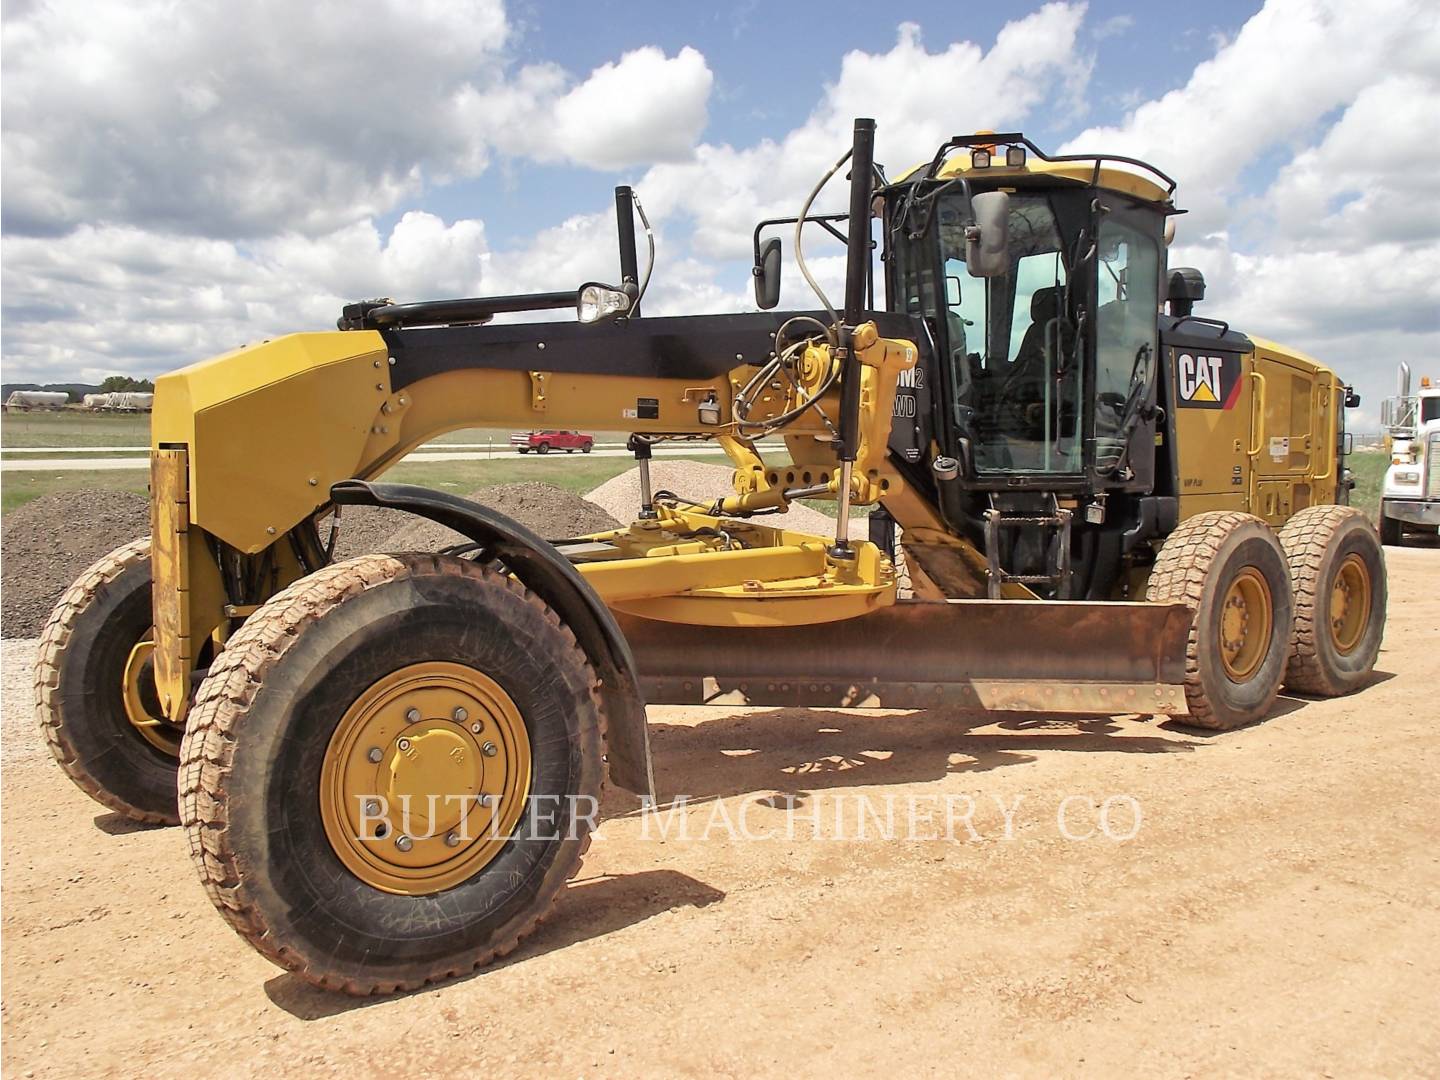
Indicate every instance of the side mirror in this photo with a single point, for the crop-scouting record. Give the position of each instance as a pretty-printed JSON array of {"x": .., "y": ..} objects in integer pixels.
[
  {"x": 767, "y": 275},
  {"x": 1352, "y": 399},
  {"x": 952, "y": 290},
  {"x": 987, "y": 242}
]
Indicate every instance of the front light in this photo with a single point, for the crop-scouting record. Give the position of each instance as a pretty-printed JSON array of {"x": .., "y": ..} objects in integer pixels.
[
  {"x": 979, "y": 158},
  {"x": 1407, "y": 476},
  {"x": 597, "y": 302},
  {"x": 1015, "y": 156}
]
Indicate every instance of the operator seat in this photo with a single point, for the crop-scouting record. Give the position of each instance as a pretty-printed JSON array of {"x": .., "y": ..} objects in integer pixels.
[{"x": 1024, "y": 391}]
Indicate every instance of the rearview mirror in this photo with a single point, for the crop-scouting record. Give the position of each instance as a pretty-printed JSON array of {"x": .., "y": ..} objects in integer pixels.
[
  {"x": 767, "y": 275},
  {"x": 987, "y": 242}
]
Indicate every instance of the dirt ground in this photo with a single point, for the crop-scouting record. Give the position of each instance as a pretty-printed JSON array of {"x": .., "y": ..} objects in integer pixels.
[{"x": 1277, "y": 912}]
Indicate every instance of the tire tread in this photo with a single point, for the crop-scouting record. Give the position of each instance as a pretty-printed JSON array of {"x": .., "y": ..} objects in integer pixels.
[{"x": 207, "y": 755}]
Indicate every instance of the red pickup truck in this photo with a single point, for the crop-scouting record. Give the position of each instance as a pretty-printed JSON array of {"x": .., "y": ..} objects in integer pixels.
[{"x": 542, "y": 442}]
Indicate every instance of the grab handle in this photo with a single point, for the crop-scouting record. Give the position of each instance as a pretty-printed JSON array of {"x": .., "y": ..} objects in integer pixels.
[
  {"x": 1322, "y": 394},
  {"x": 1260, "y": 414}
]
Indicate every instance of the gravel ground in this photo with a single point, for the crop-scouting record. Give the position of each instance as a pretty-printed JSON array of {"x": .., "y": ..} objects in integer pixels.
[
  {"x": 49, "y": 542},
  {"x": 1274, "y": 913},
  {"x": 620, "y": 496}
]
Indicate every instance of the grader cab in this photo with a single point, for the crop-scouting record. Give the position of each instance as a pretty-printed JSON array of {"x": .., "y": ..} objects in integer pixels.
[{"x": 387, "y": 767}]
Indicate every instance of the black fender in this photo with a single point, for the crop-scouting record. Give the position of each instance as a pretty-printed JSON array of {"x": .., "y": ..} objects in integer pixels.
[{"x": 548, "y": 574}]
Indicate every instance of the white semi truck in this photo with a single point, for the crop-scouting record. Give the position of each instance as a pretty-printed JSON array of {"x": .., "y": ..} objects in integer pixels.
[{"x": 1410, "y": 499}]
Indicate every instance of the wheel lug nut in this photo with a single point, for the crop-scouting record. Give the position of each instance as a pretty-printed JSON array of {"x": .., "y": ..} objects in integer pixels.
[
  {"x": 412, "y": 716},
  {"x": 374, "y": 755},
  {"x": 403, "y": 842},
  {"x": 372, "y": 807},
  {"x": 490, "y": 749},
  {"x": 452, "y": 839},
  {"x": 487, "y": 800},
  {"x": 460, "y": 716}
]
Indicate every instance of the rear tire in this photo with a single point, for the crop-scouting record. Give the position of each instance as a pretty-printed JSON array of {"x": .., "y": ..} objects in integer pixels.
[
  {"x": 263, "y": 739},
  {"x": 1337, "y": 569},
  {"x": 80, "y": 690},
  {"x": 524, "y": 449},
  {"x": 1230, "y": 570}
]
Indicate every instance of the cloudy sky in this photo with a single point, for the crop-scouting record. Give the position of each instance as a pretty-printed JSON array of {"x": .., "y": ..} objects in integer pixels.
[{"x": 180, "y": 178}]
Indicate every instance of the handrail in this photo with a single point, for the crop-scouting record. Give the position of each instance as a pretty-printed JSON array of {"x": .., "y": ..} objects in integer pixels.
[
  {"x": 1260, "y": 425},
  {"x": 1320, "y": 390}
]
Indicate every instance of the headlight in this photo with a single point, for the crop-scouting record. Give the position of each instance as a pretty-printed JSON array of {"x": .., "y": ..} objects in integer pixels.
[
  {"x": 1407, "y": 476},
  {"x": 597, "y": 302}
]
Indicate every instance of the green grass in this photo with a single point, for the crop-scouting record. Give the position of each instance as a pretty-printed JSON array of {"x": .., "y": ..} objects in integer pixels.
[
  {"x": 75, "y": 429},
  {"x": 1369, "y": 470}
]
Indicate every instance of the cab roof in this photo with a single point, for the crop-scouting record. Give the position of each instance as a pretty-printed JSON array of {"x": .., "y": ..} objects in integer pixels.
[
  {"x": 1116, "y": 172},
  {"x": 1081, "y": 173}
]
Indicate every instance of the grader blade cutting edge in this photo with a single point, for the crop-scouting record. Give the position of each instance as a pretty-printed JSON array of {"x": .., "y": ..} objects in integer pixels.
[{"x": 1027, "y": 656}]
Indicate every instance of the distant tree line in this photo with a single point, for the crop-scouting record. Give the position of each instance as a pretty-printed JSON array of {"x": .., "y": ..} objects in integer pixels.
[{"x": 116, "y": 384}]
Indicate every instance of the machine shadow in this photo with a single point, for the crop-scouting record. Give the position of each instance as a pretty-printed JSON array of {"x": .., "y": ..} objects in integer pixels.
[
  {"x": 588, "y": 908},
  {"x": 119, "y": 825},
  {"x": 788, "y": 751}
]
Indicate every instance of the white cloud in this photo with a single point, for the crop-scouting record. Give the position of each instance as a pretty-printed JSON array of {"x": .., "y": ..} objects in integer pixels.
[
  {"x": 1340, "y": 250},
  {"x": 913, "y": 94},
  {"x": 241, "y": 120},
  {"x": 1291, "y": 65},
  {"x": 181, "y": 179},
  {"x": 643, "y": 108},
  {"x": 118, "y": 299}
]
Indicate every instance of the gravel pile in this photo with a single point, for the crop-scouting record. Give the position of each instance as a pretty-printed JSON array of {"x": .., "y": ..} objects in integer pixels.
[
  {"x": 620, "y": 496},
  {"x": 49, "y": 542},
  {"x": 551, "y": 511}
]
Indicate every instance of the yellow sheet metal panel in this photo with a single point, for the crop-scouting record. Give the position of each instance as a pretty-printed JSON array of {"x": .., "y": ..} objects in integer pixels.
[
  {"x": 271, "y": 427},
  {"x": 1079, "y": 172}
]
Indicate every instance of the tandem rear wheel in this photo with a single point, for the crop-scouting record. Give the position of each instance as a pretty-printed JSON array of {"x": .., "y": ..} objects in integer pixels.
[
  {"x": 1337, "y": 568},
  {"x": 392, "y": 770}
]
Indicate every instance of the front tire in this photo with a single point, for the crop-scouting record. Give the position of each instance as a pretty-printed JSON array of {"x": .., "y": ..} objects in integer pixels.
[
  {"x": 1391, "y": 534},
  {"x": 1230, "y": 570},
  {"x": 86, "y": 653},
  {"x": 1338, "y": 571},
  {"x": 586, "y": 448},
  {"x": 341, "y": 682},
  {"x": 543, "y": 448}
]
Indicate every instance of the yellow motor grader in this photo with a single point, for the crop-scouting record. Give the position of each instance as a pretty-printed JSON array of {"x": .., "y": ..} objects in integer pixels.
[{"x": 387, "y": 766}]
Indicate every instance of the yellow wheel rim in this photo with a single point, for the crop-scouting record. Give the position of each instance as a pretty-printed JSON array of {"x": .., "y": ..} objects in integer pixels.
[
  {"x": 425, "y": 778},
  {"x": 1349, "y": 604},
  {"x": 155, "y": 730},
  {"x": 1246, "y": 622}
]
